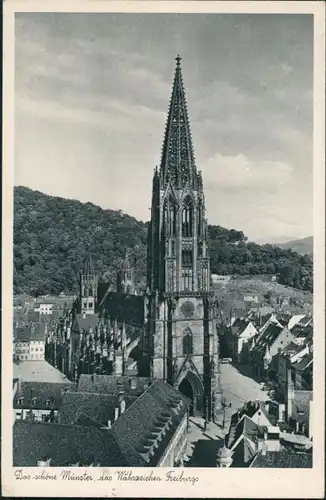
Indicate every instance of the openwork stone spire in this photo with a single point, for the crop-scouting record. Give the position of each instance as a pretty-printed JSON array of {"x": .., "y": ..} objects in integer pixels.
[{"x": 178, "y": 163}]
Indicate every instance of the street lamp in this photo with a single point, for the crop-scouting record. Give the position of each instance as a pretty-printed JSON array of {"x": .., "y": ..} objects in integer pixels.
[{"x": 225, "y": 405}]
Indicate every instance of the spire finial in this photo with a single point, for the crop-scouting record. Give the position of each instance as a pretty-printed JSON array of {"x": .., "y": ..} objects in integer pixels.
[{"x": 178, "y": 59}]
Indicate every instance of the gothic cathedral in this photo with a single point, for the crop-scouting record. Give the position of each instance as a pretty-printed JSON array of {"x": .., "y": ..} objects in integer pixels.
[{"x": 181, "y": 338}]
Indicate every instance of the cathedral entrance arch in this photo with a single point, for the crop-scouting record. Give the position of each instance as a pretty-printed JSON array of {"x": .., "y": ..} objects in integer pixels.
[
  {"x": 186, "y": 388},
  {"x": 191, "y": 386}
]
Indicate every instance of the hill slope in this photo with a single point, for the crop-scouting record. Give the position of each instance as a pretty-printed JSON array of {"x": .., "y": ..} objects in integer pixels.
[
  {"x": 303, "y": 246},
  {"x": 51, "y": 236}
]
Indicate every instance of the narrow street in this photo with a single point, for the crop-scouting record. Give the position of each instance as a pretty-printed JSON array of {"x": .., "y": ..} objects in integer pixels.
[
  {"x": 203, "y": 444},
  {"x": 237, "y": 388}
]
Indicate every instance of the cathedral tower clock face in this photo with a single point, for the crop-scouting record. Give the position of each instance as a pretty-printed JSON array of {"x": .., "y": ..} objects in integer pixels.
[{"x": 187, "y": 309}]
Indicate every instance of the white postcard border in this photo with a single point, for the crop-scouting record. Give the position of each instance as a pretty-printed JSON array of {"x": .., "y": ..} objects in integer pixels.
[{"x": 212, "y": 483}]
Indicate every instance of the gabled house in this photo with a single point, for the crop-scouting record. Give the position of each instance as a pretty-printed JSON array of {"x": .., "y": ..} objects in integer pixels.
[
  {"x": 266, "y": 321},
  {"x": 38, "y": 401},
  {"x": 244, "y": 335},
  {"x": 263, "y": 353},
  {"x": 296, "y": 319},
  {"x": 29, "y": 343},
  {"x": 251, "y": 430},
  {"x": 102, "y": 430}
]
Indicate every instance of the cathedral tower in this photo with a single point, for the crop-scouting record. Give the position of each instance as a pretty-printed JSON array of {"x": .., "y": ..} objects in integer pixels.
[
  {"x": 88, "y": 287},
  {"x": 182, "y": 339}
]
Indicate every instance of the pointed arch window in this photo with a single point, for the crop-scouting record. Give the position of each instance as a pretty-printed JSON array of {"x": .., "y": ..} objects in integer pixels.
[
  {"x": 90, "y": 291},
  {"x": 187, "y": 257},
  {"x": 170, "y": 217},
  {"x": 187, "y": 342},
  {"x": 187, "y": 217}
]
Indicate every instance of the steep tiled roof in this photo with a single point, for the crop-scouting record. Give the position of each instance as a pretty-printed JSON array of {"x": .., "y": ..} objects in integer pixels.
[
  {"x": 244, "y": 452},
  {"x": 239, "y": 326},
  {"x": 248, "y": 428},
  {"x": 291, "y": 348},
  {"x": 33, "y": 316},
  {"x": 284, "y": 318},
  {"x": 100, "y": 407},
  {"x": 40, "y": 395},
  {"x": 64, "y": 444},
  {"x": 241, "y": 422},
  {"x": 294, "y": 320},
  {"x": 30, "y": 332},
  {"x": 304, "y": 363},
  {"x": 283, "y": 460},
  {"x": 268, "y": 337},
  {"x": 300, "y": 331},
  {"x": 22, "y": 334},
  {"x": 105, "y": 384},
  {"x": 153, "y": 417}
]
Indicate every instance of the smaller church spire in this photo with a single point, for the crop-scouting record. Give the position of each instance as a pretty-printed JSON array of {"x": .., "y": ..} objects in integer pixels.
[
  {"x": 125, "y": 266},
  {"x": 88, "y": 286},
  {"x": 88, "y": 267}
]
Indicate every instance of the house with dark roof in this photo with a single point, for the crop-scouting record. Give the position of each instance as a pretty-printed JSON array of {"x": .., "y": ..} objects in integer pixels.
[
  {"x": 302, "y": 334},
  {"x": 257, "y": 411},
  {"x": 108, "y": 430},
  {"x": 38, "y": 401},
  {"x": 58, "y": 445},
  {"x": 243, "y": 335},
  {"x": 29, "y": 341},
  {"x": 153, "y": 431},
  {"x": 250, "y": 431},
  {"x": 288, "y": 362},
  {"x": 282, "y": 460},
  {"x": 96, "y": 409},
  {"x": 263, "y": 353}
]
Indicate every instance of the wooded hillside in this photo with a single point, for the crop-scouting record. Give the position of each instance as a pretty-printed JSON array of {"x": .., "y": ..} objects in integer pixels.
[{"x": 51, "y": 236}]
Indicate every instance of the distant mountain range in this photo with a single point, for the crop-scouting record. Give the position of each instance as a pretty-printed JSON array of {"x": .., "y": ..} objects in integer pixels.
[{"x": 302, "y": 246}]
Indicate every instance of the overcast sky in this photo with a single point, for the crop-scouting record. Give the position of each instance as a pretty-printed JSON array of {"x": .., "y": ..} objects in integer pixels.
[{"x": 92, "y": 94}]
